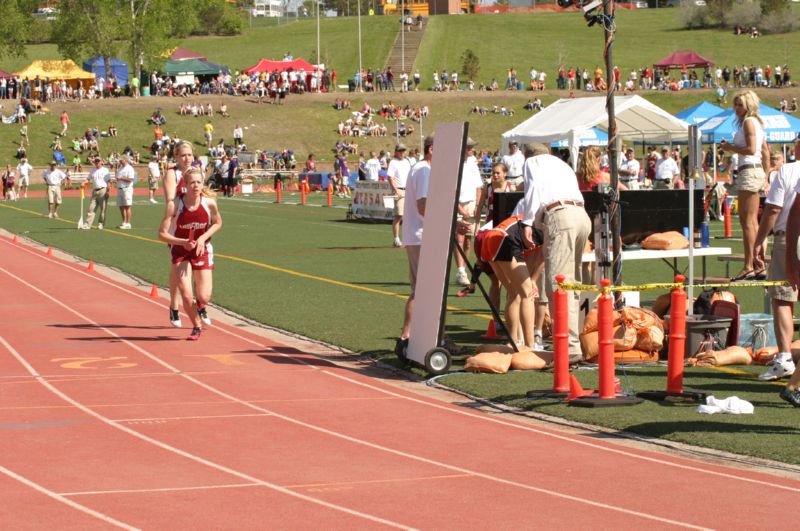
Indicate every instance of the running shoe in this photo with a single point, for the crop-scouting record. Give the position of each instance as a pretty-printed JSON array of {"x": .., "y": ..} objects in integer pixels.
[
  {"x": 153, "y": 201},
  {"x": 462, "y": 279},
  {"x": 100, "y": 226},
  {"x": 175, "y": 318},
  {"x": 204, "y": 316},
  {"x": 396, "y": 242},
  {"x": 538, "y": 342},
  {"x": 195, "y": 335},
  {"x": 780, "y": 368},
  {"x": 791, "y": 395}
]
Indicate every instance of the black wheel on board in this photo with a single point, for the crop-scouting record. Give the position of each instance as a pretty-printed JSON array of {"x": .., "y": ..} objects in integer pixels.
[{"x": 437, "y": 361}]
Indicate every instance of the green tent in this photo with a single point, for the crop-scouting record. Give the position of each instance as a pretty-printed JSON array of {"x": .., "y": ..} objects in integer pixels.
[{"x": 194, "y": 67}]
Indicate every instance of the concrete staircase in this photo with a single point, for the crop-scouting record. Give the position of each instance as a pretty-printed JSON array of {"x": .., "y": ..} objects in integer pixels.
[{"x": 411, "y": 40}]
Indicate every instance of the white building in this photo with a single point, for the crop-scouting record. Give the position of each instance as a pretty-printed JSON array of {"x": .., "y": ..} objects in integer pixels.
[{"x": 268, "y": 8}]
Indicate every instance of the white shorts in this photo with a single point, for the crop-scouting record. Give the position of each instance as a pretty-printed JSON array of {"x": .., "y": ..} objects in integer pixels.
[
  {"x": 125, "y": 196},
  {"x": 24, "y": 181}
]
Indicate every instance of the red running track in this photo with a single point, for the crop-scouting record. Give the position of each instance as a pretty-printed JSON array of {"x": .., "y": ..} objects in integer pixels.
[{"x": 109, "y": 418}]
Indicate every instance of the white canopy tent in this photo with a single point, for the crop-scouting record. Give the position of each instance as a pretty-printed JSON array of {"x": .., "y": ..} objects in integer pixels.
[{"x": 568, "y": 119}]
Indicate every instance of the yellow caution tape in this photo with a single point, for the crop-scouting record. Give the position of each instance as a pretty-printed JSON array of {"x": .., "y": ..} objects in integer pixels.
[{"x": 573, "y": 286}]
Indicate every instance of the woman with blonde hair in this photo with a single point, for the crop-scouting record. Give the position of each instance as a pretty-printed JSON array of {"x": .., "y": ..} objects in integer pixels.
[
  {"x": 750, "y": 144},
  {"x": 590, "y": 174}
]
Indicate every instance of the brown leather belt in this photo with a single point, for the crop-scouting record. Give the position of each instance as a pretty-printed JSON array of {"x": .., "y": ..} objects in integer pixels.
[{"x": 557, "y": 204}]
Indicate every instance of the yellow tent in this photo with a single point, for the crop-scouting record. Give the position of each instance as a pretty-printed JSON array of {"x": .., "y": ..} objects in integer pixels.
[{"x": 65, "y": 69}]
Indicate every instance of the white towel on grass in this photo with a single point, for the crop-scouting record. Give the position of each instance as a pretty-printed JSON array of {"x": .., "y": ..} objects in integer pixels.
[{"x": 733, "y": 405}]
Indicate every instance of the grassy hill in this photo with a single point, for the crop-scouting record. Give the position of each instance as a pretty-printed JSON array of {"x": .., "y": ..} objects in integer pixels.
[{"x": 547, "y": 40}]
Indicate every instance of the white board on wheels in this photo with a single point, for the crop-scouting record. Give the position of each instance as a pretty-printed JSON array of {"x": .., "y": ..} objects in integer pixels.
[{"x": 427, "y": 319}]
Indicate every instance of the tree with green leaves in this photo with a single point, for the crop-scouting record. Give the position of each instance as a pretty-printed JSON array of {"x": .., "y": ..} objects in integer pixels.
[
  {"x": 88, "y": 28},
  {"x": 470, "y": 64},
  {"x": 15, "y": 25}
]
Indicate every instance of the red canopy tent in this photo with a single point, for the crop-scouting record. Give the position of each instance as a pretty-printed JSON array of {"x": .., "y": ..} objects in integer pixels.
[
  {"x": 180, "y": 54},
  {"x": 265, "y": 65},
  {"x": 5, "y": 74},
  {"x": 686, "y": 59}
]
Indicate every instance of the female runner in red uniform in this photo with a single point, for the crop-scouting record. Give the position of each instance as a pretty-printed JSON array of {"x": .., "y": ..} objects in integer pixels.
[
  {"x": 188, "y": 225},
  {"x": 183, "y": 154}
]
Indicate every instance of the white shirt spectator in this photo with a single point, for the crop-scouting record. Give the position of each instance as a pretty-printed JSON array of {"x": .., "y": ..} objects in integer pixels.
[
  {"x": 666, "y": 169},
  {"x": 417, "y": 188},
  {"x": 154, "y": 168},
  {"x": 54, "y": 177},
  {"x": 24, "y": 169},
  {"x": 782, "y": 192},
  {"x": 399, "y": 171},
  {"x": 373, "y": 168},
  {"x": 631, "y": 168},
  {"x": 515, "y": 162},
  {"x": 548, "y": 179},
  {"x": 470, "y": 181},
  {"x": 99, "y": 177},
  {"x": 125, "y": 176}
]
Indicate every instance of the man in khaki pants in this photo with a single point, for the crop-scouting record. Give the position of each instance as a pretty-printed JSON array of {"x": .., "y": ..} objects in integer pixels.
[
  {"x": 775, "y": 219},
  {"x": 554, "y": 203},
  {"x": 98, "y": 177}
]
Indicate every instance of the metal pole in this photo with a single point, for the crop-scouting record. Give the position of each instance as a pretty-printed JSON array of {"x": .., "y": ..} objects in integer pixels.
[
  {"x": 319, "y": 59},
  {"x": 402, "y": 36},
  {"x": 360, "y": 68},
  {"x": 421, "y": 137},
  {"x": 694, "y": 145}
]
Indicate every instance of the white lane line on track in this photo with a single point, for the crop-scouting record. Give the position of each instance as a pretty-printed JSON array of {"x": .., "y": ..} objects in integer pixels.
[
  {"x": 193, "y": 417},
  {"x": 581, "y": 500},
  {"x": 170, "y": 448},
  {"x": 165, "y": 489},
  {"x": 693, "y": 467},
  {"x": 62, "y": 499}
]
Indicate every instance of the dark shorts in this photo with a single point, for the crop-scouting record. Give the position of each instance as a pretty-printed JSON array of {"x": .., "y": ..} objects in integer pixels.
[{"x": 503, "y": 246}]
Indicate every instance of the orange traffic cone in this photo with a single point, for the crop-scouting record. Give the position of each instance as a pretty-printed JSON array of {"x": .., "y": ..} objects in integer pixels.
[
  {"x": 90, "y": 267},
  {"x": 491, "y": 332},
  {"x": 576, "y": 390},
  {"x": 154, "y": 292},
  {"x": 727, "y": 217},
  {"x": 49, "y": 251},
  {"x": 14, "y": 239}
]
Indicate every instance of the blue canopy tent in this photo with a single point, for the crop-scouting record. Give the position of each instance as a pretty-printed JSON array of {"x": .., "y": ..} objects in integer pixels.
[
  {"x": 778, "y": 126},
  {"x": 700, "y": 112},
  {"x": 97, "y": 66},
  {"x": 587, "y": 137}
]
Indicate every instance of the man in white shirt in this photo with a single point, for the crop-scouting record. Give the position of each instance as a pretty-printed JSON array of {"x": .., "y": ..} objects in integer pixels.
[
  {"x": 782, "y": 193},
  {"x": 53, "y": 178},
  {"x": 554, "y": 204},
  {"x": 414, "y": 219},
  {"x": 629, "y": 171},
  {"x": 514, "y": 161},
  {"x": 469, "y": 195},
  {"x": 373, "y": 166},
  {"x": 666, "y": 171},
  {"x": 399, "y": 170},
  {"x": 99, "y": 178},
  {"x": 24, "y": 172},
  {"x": 125, "y": 178},
  {"x": 238, "y": 135},
  {"x": 154, "y": 174}
]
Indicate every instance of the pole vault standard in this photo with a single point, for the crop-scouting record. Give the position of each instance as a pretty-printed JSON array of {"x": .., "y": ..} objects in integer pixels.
[{"x": 428, "y": 317}]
